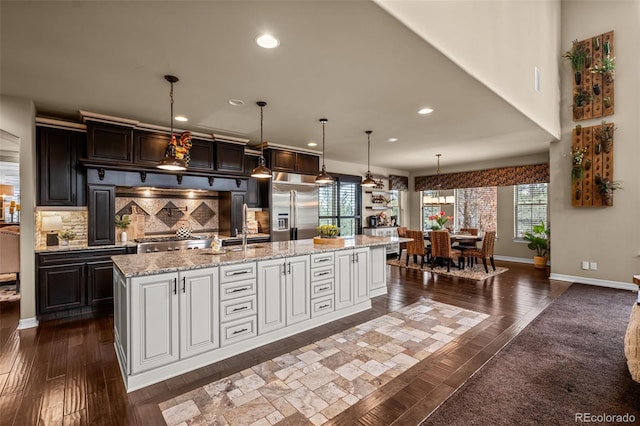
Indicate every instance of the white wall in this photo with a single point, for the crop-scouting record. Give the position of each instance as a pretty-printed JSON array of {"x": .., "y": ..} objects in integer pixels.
[
  {"x": 609, "y": 236},
  {"x": 17, "y": 116},
  {"x": 499, "y": 42}
]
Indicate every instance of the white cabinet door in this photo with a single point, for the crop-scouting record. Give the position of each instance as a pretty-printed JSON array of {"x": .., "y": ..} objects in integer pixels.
[
  {"x": 298, "y": 289},
  {"x": 378, "y": 268},
  {"x": 271, "y": 295},
  {"x": 154, "y": 321},
  {"x": 199, "y": 323},
  {"x": 361, "y": 275},
  {"x": 343, "y": 272}
]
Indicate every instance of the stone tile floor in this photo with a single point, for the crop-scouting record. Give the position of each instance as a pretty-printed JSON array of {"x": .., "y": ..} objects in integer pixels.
[{"x": 321, "y": 380}]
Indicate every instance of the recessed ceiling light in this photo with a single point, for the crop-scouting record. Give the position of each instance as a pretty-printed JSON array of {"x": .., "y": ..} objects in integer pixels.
[
  {"x": 312, "y": 144},
  {"x": 424, "y": 111},
  {"x": 236, "y": 102},
  {"x": 267, "y": 41},
  {"x": 181, "y": 118},
  {"x": 393, "y": 139}
]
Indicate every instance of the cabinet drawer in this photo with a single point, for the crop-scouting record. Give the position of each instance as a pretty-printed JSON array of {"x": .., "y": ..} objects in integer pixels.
[
  {"x": 242, "y": 271},
  {"x": 237, "y": 289},
  {"x": 321, "y": 259},
  {"x": 237, "y": 308},
  {"x": 321, "y": 306},
  {"x": 322, "y": 288},
  {"x": 322, "y": 273},
  {"x": 238, "y": 330}
]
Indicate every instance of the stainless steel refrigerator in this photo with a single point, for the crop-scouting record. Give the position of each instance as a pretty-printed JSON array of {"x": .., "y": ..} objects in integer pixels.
[{"x": 294, "y": 207}]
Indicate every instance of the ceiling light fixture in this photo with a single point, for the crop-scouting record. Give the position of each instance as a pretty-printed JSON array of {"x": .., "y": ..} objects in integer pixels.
[
  {"x": 267, "y": 41},
  {"x": 424, "y": 111},
  {"x": 312, "y": 144},
  {"x": 181, "y": 118},
  {"x": 438, "y": 199},
  {"x": 368, "y": 179},
  {"x": 170, "y": 162},
  {"x": 392, "y": 139},
  {"x": 323, "y": 177},
  {"x": 235, "y": 102},
  {"x": 261, "y": 172}
]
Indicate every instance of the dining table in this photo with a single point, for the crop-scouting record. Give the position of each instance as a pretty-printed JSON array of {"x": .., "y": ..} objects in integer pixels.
[{"x": 457, "y": 237}]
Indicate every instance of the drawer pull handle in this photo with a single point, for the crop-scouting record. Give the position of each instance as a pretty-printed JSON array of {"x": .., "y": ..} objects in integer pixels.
[
  {"x": 240, "y": 331},
  {"x": 246, "y": 271},
  {"x": 324, "y": 259},
  {"x": 319, "y": 274},
  {"x": 235, "y": 290},
  {"x": 241, "y": 308},
  {"x": 323, "y": 306},
  {"x": 175, "y": 286},
  {"x": 324, "y": 288}
]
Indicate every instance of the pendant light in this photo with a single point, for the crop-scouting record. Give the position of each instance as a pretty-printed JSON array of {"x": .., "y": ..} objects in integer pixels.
[
  {"x": 170, "y": 162},
  {"x": 438, "y": 199},
  {"x": 323, "y": 177},
  {"x": 368, "y": 179},
  {"x": 261, "y": 172}
]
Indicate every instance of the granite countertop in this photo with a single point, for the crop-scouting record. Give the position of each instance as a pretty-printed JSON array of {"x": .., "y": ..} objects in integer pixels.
[{"x": 155, "y": 263}]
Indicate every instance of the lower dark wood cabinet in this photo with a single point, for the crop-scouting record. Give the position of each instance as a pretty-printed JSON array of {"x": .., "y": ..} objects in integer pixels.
[{"x": 75, "y": 282}]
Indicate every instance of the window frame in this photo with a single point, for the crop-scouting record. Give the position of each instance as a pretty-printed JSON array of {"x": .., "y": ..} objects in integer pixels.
[{"x": 516, "y": 203}]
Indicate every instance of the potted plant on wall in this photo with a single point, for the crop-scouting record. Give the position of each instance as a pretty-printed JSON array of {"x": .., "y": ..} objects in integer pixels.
[
  {"x": 580, "y": 98},
  {"x": 577, "y": 56},
  {"x": 605, "y": 187},
  {"x": 538, "y": 240},
  {"x": 605, "y": 67}
]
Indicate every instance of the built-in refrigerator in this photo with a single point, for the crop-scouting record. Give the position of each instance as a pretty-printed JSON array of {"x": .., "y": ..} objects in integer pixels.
[{"x": 294, "y": 207}]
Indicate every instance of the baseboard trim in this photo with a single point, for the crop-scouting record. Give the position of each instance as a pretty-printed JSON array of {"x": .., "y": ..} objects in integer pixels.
[
  {"x": 514, "y": 259},
  {"x": 27, "y": 323},
  {"x": 592, "y": 281}
]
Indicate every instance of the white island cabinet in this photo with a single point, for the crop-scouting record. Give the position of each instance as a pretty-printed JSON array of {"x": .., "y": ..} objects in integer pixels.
[{"x": 179, "y": 311}]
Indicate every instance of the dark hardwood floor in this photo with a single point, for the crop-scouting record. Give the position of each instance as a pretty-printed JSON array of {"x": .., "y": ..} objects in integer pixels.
[{"x": 66, "y": 372}]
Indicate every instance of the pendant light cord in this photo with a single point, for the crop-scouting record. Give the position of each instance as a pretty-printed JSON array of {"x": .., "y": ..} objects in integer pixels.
[
  {"x": 261, "y": 139},
  {"x": 171, "y": 96},
  {"x": 369, "y": 152}
]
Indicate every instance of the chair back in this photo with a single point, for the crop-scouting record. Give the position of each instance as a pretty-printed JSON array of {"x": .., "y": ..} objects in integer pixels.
[
  {"x": 470, "y": 231},
  {"x": 440, "y": 244},
  {"x": 402, "y": 231},
  {"x": 417, "y": 245},
  {"x": 487, "y": 243}
]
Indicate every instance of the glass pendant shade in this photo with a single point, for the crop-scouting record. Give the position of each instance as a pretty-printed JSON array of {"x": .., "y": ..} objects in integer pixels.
[
  {"x": 261, "y": 171},
  {"x": 323, "y": 177},
  {"x": 170, "y": 162}
]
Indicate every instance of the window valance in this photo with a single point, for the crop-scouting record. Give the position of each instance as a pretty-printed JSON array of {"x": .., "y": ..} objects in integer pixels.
[
  {"x": 398, "y": 183},
  {"x": 504, "y": 176}
]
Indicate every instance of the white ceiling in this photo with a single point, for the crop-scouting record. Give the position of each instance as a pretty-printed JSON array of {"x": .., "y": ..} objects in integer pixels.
[{"x": 349, "y": 61}]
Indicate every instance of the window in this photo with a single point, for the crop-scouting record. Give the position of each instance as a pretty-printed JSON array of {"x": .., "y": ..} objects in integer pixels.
[
  {"x": 477, "y": 208},
  {"x": 429, "y": 210},
  {"x": 340, "y": 204},
  {"x": 530, "y": 202}
]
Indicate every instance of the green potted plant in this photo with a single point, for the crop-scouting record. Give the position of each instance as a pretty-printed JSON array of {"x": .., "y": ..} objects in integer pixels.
[
  {"x": 538, "y": 240},
  {"x": 123, "y": 223},
  {"x": 605, "y": 67},
  {"x": 65, "y": 236},
  {"x": 605, "y": 187},
  {"x": 605, "y": 137},
  {"x": 577, "y": 56},
  {"x": 580, "y": 98}
]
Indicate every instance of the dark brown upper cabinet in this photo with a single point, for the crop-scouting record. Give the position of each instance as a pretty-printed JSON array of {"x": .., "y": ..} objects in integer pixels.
[
  {"x": 293, "y": 162},
  {"x": 149, "y": 147},
  {"x": 202, "y": 155},
  {"x": 108, "y": 143},
  {"x": 61, "y": 178},
  {"x": 229, "y": 157},
  {"x": 257, "y": 189}
]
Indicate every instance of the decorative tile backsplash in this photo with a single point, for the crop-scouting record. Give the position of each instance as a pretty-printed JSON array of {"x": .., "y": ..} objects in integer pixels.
[
  {"x": 74, "y": 220},
  {"x": 165, "y": 215}
]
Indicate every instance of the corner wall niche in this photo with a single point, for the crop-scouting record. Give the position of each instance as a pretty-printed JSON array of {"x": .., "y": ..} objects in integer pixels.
[
  {"x": 593, "y": 92},
  {"x": 597, "y": 162}
]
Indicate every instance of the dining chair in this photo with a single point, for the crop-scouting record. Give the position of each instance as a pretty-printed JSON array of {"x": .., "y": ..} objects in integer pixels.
[
  {"x": 402, "y": 232},
  {"x": 463, "y": 245},
  {"x": 486, "y": 252},
  {"x": 441, "y": 249},
  {"x": 416, "y": 247}
]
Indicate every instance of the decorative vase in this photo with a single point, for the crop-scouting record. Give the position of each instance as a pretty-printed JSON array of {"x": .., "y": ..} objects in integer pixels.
[
  {"x": 607, "y": 198},
  {"x": 578, "y": 130},
  {"x": 64, "y": 243},
  {"x": 578, "y": 78},
  {"x": 123, "y": 237},
  {"x": 596, "y": 89},
  {"x": 606, "y": 48},
  {"x": 540, "y": 262}
]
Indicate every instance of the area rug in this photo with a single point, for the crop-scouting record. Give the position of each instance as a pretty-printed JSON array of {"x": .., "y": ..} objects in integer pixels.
[
  {"x": 8, "y": 293},
  {"x": 319, "y": 381},
  {"x": 476, "y": 272},
  {"x": 567, "y": 367}
]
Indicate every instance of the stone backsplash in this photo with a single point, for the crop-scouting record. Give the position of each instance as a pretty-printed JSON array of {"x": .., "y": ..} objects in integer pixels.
[
  {"x": 166, "y": 215},
  {"x": 74, "y": 220}
]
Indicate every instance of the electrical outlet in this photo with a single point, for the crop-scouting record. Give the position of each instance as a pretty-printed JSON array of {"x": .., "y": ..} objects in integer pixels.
[
  {"x": 593, "y": 266},
  {"x": 585, "y": 264}
]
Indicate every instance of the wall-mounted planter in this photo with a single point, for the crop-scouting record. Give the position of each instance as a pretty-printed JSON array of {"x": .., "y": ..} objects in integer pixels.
[{"x": 596, "y": 164}]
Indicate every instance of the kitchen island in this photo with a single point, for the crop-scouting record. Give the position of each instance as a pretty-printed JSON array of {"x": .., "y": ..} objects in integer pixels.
[{"x": 178, "y": 311}]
